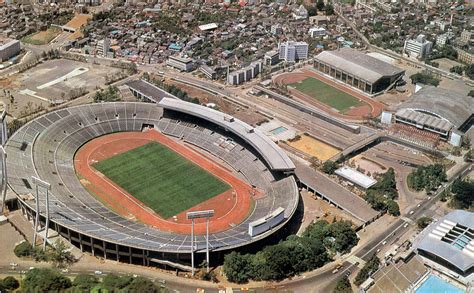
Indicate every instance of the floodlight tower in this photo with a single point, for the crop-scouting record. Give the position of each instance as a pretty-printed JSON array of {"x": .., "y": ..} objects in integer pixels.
[
  {"x": 40, "y": 183},
  {"x": 198, "y": 215},
  {"x": 3, "y": 155}
]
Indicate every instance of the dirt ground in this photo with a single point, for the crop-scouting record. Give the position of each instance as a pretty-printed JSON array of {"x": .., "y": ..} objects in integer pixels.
[
  {"x": 19, "y": 84},
  {"x": 314, "y": 147},
  {"x": 316, "y": 209},
  {"x": 46, "y": 36},
  {"x": 367, "y": 164}
]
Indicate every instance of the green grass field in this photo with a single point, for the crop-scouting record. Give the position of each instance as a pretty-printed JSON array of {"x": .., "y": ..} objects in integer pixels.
[
  {"x": 326, "y": 94},
  {"x": 162, "y": 179}
]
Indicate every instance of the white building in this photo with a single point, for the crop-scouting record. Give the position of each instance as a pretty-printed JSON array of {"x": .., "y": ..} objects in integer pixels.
[
  {"x": 8, "y": 48},
  {"x": 276, "y": 29},
  {"x": 293, "y": 51},
  {"x": 272, "y": 58},
  {"x": 315, "y": 32},
  {"x": 244, "y": 74},
  {"x": 444, "y": 39},
  {"x": 103, "y": 47},
  {"x": 180, "y": 63},
  {"x": 418, "y": 48},
  {"x": 300, "y": 13}
]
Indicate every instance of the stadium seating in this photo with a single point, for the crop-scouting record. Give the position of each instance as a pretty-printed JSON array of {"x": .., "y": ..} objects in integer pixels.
[{"x": 45, "y": 148}]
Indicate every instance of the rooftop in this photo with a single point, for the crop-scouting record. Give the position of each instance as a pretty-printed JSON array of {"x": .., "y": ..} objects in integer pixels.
[
  {"x": 151, "y": 91},
  {"x": 359, "y": 64},
  {"x": 451, "y": 239},
  {"x": 443, "y": 103},
  {"x": 273, "y": 155},
  {"x": 355, "y": 177}
]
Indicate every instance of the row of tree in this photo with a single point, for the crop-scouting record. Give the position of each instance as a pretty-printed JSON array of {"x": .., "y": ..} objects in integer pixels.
[
  {"x": 58, "y": 254},
  {"x": 111, "y": 94},
  {"x": 294, "y": 255},
  {"x": 427, "y": 177},
  {"x": 47, "y": 280},
  {"x": 425, "y": 77},
  {"x": 172, "y": 89},
  {"x": 462, "y": 194},
  {"x": 381, "y": 196}
]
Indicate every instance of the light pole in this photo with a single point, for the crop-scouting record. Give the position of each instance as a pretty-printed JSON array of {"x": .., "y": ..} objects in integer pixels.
[
  {"x": 40, "y": 183},
  {"x": 3, "y": 158},
  {"x": 198, "y": 215}
]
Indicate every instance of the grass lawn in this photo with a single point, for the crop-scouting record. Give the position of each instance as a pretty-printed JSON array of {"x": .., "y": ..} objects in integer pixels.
[
  {"x": 326, "y": 94},
  {"x": 42, "y": 37},
  {"x": 162, "y": 179}
]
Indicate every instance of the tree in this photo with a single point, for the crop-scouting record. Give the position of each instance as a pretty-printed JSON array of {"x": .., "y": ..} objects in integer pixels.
[
  {"x": 112, "y": 282},
  {"x": 85, "y": 282},
  {"x": 343, "y": 285},
  {"x": 393, "y": 208},
  {"x": 463, "y": 193},
  {"x": 369, "y": 268},
  {"x": 329, "y": 9},
  {"x": 423, "y": 222},
  {"x": 329, "y": 167},
  {"x": 344, "y": 236},
  {"x": 237, "y": 267},
  {"x": 427, "y": 177},
  {"x": 60, "y": 255},
  {"x": 23, "y": 249},
  {"x": 320, "y": 5},
  {"x": 469, "y": 70},
  {"x": 140, "y": 284},
  {"x": 386, "y": 184},
  {"x": 10, "y": 283},
  {"x": 456, "y": 69},
  {"x": 425, "y": 77},
  {"x": 45, "y": 280},
  {"x": 471, "y": 93},
  {"x": 312, "y": 10}
]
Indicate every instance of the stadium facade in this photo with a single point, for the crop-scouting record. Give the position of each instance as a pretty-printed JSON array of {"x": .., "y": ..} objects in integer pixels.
[
  {"x": 442, "y": 112},
  {"x": 45, "y": 148},
  {"x": 359, "y": 70}
]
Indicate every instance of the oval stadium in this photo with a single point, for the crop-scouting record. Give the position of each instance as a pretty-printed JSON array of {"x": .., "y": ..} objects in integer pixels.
[{"x": 123, "y": 177}]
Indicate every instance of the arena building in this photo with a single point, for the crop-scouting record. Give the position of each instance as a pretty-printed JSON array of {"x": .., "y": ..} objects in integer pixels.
[
  {"x": 441, "y": 112},
  {"x": 46, "y": 147},
  {"x": 358, "y": 70},
  {"x": 448, "y": 244}
]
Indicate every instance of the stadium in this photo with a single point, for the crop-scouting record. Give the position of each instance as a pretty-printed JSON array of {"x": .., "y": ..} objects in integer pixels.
[{"x": 124, "y": 175}]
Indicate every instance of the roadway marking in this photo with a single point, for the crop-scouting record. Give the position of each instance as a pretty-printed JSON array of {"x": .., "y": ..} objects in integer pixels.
[
  {"x": 356, "y": 260},
  {"x": 408, "y": 220}
]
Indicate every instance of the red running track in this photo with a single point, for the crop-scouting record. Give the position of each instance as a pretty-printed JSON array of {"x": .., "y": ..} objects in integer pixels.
[{"x": 231, "y": 207}]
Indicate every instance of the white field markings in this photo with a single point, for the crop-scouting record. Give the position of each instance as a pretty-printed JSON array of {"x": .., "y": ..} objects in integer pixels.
[
  {"x": 33, "y": 94},
  {"x": 74, "y": 73}
]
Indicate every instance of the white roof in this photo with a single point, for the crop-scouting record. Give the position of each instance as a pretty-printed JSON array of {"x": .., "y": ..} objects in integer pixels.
[
  {"x": 355, "y": 177},
  {"x": 209, "y": 26}
]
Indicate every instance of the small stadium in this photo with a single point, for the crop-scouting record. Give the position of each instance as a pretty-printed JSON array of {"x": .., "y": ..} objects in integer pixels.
[{"x": 124, "y": 175}]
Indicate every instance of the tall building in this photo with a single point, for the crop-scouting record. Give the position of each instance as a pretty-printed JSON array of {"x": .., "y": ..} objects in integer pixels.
[
  {"x": 8, "y": 48},
  {"x": 272, "y": 58},
  {"x": 293, "y": 51},
  {"x": 419, "y": 47},
  {"x": 466, "y": 37},
  {"x": 103, "y": 47},
  {"x": 276, "y": 29}
]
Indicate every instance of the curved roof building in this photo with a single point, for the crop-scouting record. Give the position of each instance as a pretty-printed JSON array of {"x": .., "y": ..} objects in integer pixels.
[{"x": 450, "y": 242}]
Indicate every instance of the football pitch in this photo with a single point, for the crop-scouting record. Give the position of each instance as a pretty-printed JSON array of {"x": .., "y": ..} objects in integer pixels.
[
  {"x": 326, "y": 94},
  {"x": 162, "y": 179}
]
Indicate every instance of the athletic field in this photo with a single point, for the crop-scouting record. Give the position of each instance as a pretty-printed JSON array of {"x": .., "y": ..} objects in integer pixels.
[
  {"x": 326, "y": 94},
  {"x": 162, "y": 179}
]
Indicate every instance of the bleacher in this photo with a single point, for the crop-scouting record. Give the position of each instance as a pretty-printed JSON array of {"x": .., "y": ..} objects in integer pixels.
[{"x": 45, "y": 148}]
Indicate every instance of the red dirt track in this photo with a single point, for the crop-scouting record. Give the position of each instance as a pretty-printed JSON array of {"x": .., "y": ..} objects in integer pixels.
[
  {"x": 371, "y": 109},
  {"x": 230, "y": 207}
]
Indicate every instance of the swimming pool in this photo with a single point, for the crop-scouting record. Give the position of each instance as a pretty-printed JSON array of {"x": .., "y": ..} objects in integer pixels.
[
  {"x": 435, "y": 284},
  {"x": 278, "y": 130}
]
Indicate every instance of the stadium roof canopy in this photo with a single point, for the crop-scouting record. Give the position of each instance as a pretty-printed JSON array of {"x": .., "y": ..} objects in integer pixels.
[
  {"x": 359, "y": 64},
  {"x": 275, "y": 157},
  {"x": 451, "y": 239},
  {"x": 444, "y": 104},
  {"x": 148, "y": 90},
  {"x": 356, "y": 177}
]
